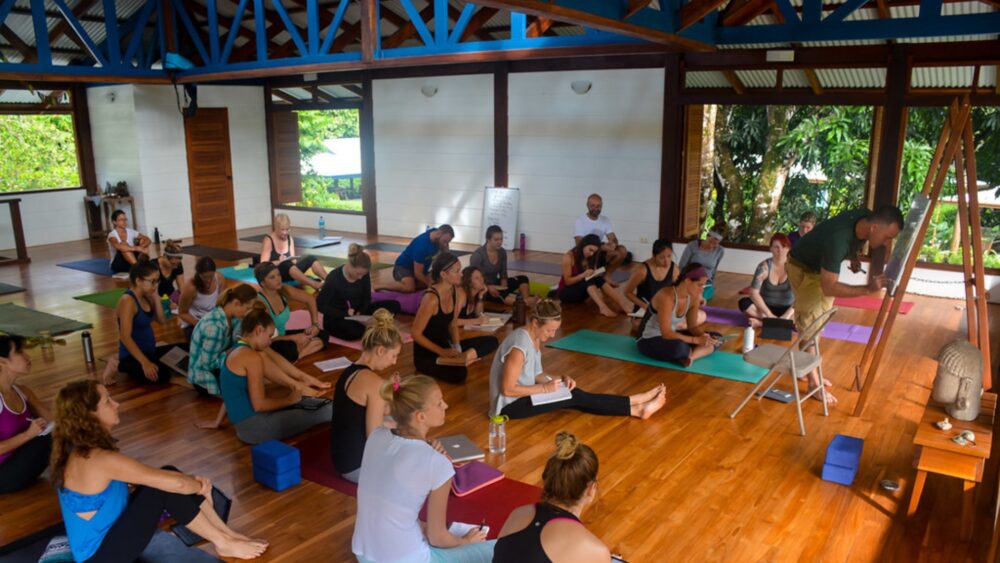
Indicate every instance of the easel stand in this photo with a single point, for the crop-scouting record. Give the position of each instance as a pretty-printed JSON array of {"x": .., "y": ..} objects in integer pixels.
[{"x": 955, "y": 135}]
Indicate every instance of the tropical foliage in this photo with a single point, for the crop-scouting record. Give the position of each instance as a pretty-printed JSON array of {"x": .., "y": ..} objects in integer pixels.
[
  {"x": 762, "y": 166},
  {"x": 315, "y": 127},
  {"x": 39, "y": 152}
]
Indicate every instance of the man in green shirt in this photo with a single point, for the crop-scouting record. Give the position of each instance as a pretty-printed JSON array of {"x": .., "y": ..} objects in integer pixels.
[{"x": 814, "y": 263}]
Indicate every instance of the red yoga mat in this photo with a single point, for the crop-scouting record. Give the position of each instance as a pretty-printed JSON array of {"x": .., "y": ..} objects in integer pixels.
[
  {"x": 870, "y": 303},
  {"x": 494, "y": 503}
]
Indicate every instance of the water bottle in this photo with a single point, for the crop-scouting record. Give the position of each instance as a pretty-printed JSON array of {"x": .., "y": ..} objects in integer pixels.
[
  {"x": 156, "y": 235},
  {"x": 748, "y": 338},
  {"x": 88, "y": 347},
  {"x": 165, "y": 302},
  {"x": 520, "y": 311},
  {"x": 522, "y": 243},
  {"x": 498, "y": 433},
  {"x": 322, "y": 227}
]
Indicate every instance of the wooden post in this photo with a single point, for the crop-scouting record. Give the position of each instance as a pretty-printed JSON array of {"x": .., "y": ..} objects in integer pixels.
[
  {"x": 672, "y": 150},
  {"x": 368, "y": 190},
  {"x": 501, "y": 140},
  {"x": 978, "y": 253}
]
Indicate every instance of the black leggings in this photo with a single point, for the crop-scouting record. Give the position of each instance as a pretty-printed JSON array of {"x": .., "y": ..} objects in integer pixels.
[
  {"x": 577, "y": 293},
  {"x": 426, "y": 361},
  {"x": 130, "y": 534},
  {"x": 778, "y": 310},
  {"x": 591, "y": 403},
  {"x": 133, "y": 368},
  {"x": 514, "y": 284},
  {"x": 119, "y": 264},
  {"x": 288, "y": 350},
  {"x": 346, "y": 329},
  {"x": 303, "y": 263},
  {"x": 24, "y": 466}
]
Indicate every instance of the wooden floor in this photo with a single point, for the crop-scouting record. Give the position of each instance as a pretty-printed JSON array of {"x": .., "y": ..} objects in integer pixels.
[{"x": 688, "y": 485}]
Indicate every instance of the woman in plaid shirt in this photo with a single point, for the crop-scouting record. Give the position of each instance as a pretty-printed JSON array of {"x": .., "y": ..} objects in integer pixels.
[{"x": 215, "y": 334}]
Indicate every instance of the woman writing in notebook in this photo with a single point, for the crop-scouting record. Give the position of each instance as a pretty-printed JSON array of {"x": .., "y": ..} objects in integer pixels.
[
  {"x": 358, "y": 408},
  {"x": 671, "y": 329},
  {"x": 278, "y": 248},
  {"x": 551, "y": 530},
  {"x": 581, "y": 280},
  {"x": 400, "y": 472},
  {"x": 656, "y": 273},
  {"x": 199, "y": 294},
  {"x": 347, "y": 292},
  {"x": 435, "y": 330},
  {"x": 516, "y": 375}
]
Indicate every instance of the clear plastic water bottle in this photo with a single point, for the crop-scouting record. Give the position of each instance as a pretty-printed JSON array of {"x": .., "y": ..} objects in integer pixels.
[
  {"x": 498, "y": 433},
  {"x": 322, "y": 227}
]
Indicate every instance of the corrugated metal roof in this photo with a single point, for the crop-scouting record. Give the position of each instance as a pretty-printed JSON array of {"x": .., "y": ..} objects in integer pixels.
[
  {"x": 23, "y": 96},
  {"x": 988, "y": 76},
  {"x": 851, "y": 77},
  {"x": 705, "y": 79},
  {"x": 794, "y": 78},
  {"x": 758, "y": 78},
  {"x": 942, "y": 77}
]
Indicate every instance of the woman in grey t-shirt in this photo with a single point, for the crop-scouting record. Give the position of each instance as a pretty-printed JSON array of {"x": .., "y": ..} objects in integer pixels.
[{"x": 491, "y": 259}]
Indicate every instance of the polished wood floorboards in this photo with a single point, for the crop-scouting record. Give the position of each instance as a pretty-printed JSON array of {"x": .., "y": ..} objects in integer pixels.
[{"x": 687, "y": 485}]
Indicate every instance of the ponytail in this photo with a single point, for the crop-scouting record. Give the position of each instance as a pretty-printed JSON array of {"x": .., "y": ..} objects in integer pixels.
[
  {"x": 358, "y": 258},
  {"x": 381, "y": 331},
  {"x": 569, "y": 470},
  {"x": 258, "y": 316},
  {"x": 406, "y": 396},
  {"x": 242, "y": 293}
]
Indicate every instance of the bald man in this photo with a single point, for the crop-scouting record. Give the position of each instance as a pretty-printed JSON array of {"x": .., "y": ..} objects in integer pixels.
[{"x": 613, "y": 254}]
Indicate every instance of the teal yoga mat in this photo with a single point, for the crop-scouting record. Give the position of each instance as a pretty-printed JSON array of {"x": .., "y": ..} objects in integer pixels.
[{"x": 621, "y": 347}]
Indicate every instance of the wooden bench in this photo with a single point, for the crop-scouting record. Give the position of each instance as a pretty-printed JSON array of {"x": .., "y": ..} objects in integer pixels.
[{"x": 936, "y": 453}]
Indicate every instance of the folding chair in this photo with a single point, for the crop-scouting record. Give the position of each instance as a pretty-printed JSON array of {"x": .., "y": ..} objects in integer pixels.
[{"x": 793, "y": 360}]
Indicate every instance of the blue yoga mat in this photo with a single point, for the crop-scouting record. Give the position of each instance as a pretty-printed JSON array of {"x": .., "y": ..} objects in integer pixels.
[
  {"x": 99, "y": 266},
  {"x": 621, "y": 347}
]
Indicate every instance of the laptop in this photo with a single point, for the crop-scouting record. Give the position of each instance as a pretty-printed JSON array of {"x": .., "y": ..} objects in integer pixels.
[{"x": 460, "y": 448}]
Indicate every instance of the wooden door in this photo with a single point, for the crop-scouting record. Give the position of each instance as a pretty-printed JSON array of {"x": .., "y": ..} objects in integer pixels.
[{"x": 210, "y": 174}]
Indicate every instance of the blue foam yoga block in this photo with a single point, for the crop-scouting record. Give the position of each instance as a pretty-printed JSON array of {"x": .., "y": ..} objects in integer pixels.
[
  {"x": 277, "y": 481},
  {"x": 844, "y": 451},
  {"x": 838, "y": 474},
  {"x": 275, "y": 457}
]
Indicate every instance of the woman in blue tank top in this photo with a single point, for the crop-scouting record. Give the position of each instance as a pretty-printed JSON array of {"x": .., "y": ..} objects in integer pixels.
[
  {"x": 105, "y": 521},
  {"x": 256, "y": 416},
  {"x": 138, "y": 355}
]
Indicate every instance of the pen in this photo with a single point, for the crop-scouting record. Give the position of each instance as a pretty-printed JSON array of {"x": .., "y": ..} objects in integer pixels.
[{"x": 482, "y": 525}]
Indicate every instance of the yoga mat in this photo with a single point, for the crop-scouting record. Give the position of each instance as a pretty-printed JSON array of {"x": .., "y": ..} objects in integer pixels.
[
  {"x": 22, "y": 321},
  {"x": 107, "y": 298},
  {"x": 99, "y": 266},
  {"x": 244, "y": 275},
  {"x": 331, "y": 262},
  {"x": 302, "y": 241},
  {"x": 6, "y": 288},
  {"x": 300, "y": 319},
  {"x": 408, "y": 302},
  {"x": 555, "y": 269},
  {"x": 621, "y": 347},
  {"x": 833, "y": 330},
  {"x": 227, "y": 254},
  {"x": 870, "y": 303},
  {"x": 495, "y": 502}
]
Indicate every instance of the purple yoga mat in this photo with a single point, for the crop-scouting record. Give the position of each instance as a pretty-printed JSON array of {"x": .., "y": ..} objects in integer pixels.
[{"x": 834, "y": 330}]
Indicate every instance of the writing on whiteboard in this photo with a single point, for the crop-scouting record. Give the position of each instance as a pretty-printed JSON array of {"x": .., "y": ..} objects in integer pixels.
[{"x": 500, "y": 206}]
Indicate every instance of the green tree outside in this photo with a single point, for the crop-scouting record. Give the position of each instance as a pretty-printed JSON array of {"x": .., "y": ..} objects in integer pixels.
[
  {"x": 39, "y": 152},
  {"x": 315, "y": 127}
]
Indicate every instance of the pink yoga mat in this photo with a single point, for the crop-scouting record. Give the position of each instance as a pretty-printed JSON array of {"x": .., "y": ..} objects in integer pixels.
[
  {"x": 300, "y": 319},
  {"x": 870, "y": 303},
  {"x": 494, "y": 503}
]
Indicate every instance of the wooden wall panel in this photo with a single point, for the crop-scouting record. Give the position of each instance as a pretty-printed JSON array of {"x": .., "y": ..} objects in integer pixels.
[
  {"x": 285, "y": 157},
  {"x": 691, "y": 198}
]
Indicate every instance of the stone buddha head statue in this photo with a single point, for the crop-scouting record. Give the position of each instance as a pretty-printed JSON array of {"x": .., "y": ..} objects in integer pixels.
[{"x": 959, "y": 380}]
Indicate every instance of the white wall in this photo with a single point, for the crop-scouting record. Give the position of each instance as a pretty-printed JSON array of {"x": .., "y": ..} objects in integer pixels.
[
  {"x": 139, "y": 137},
  {"x": 565, "y": 146},
  {"x": 433, "y": 156},
  {"x": 47, "y": 218}
]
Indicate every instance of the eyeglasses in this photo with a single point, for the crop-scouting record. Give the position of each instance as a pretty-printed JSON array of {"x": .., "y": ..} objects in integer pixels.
[{"x": 153, "y": 280}]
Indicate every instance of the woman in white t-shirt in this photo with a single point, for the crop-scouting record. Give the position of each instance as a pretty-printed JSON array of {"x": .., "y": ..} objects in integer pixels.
[
  {"x": 400, "y": 470},
  {"x": 125, "y": 244}
]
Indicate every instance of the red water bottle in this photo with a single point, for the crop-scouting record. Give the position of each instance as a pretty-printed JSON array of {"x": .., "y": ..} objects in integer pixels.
[{"x": 522, "y": 243}]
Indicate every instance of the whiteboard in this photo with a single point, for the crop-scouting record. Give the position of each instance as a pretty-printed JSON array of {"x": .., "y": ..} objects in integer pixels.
[
  {"x": 907, "y": 239},
  {"x": 500, "y": 208}
]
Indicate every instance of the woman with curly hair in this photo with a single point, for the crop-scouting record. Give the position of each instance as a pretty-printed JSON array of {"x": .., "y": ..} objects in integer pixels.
[{"x": 105, "y": 520}]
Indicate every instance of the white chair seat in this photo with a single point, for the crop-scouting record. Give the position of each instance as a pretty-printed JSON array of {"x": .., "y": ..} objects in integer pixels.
[{"x": 768, "y": 356}]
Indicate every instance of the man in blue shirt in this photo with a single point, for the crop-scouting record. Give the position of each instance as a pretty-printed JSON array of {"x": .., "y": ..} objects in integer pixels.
[{"x": 412, "y": 268}]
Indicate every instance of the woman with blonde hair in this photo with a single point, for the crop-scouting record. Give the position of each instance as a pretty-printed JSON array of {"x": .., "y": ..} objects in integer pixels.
[
  {"x": 199, "y": 294},
  {"x": 256, "y": 414},
  {"x": 400, "y": 472},
  {"x": 347, "y": 292},
  {"x": 516, "y": 375},
  {"x": 291, "y": 344},
  {"x": 278, "y": 248},
  {"x": 358, "y": 408},
  {"x": 105, "y": 522},
  {"x": 171, "y": 268},
  {"x": 551, "y": 530}
]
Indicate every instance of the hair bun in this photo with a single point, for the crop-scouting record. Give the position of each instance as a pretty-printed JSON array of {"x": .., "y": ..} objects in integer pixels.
[
  {"x": 355, "y": 249},
  {"x": 566, "y": 445},
  {"x": 382, "y": 317}
]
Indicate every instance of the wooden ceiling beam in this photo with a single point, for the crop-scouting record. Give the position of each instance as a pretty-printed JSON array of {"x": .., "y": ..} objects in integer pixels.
[
  {"x": 634, "y": 6},
  {"x": 357, "y": 90},
  {"x": 538, "y": 27},
  {"x": 287, "y": 97},
  {"x": 813, "y": 79},
  {"x": 734, "y": 81},
  {"x": 586, "y": 19},
  {"x": 28, "y": 53},
  {"x": 741, "y": 12},
  {"x": 406, "y": 29},
  {"x": 477, "y": 22},
  {"x": 454, "y": 14},
  {"x": 695, "y": 11}
]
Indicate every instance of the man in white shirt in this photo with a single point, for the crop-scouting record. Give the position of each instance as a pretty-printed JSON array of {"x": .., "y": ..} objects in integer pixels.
[{"x": 592, "y": 222}]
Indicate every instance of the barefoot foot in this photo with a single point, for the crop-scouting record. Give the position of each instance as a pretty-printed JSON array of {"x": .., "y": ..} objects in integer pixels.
[
  {"x": 646, "y": 410},
  {"x": 607, "y": 312},
  {"x": 241, "y": 549},
  {"x": 830, "y": 399}
]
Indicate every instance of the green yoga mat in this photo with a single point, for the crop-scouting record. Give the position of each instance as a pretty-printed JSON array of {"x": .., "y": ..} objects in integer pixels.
[
  {"x": 620, "y": 347},
  {"x": 107, "y": 298},
  {"x": 22, "y": 321}
]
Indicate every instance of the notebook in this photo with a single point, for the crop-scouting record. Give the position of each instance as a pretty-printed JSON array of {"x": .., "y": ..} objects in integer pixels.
[
  {"x": 461, "y": 528},
  {"x": 333, "y": 364},
  {"x": 777, "y": 329},
  {"x": 460, "y": 448},
  {"x": 177, "y": 360},
  {"x": 561, "y": 394},
  {"x": 598, "y": 272}
]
